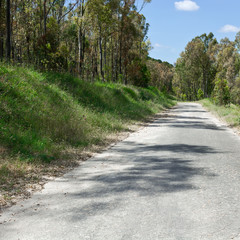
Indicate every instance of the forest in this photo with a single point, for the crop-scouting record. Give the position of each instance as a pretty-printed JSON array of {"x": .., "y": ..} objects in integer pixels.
[{"x": 94, "y": 40}]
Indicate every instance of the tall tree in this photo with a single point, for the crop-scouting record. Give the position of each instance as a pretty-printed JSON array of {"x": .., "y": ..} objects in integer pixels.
[
  {"x": 1, "y": 29},
  {"x": 197, "y": 67},
  {"x": 8, "y": 24}
]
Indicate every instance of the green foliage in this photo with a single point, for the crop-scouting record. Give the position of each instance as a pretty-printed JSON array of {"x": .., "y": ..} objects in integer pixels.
[
  {"x": 211, "y": 66},
  {"x": 183, "y": 97},
  {"x": 221, "y": 94},
  {"x": 200, "y": 94},
  {"x": 195, "y": 69},
  {"x": 145, "y": 78},
  {"x": 235, "y": 94},
  {"x": 139, "y": 74},
  {"x": 44, "y": 113},
  {"x": 131, "y": 92}
]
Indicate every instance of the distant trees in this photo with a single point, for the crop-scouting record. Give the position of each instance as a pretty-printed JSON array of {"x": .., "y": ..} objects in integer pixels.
[
  {"x": 161, "y": 74},
  {"x": 210, "y": 68}
]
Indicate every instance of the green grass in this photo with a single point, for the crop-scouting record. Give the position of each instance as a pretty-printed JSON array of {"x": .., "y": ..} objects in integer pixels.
[
  {"x": 230, "y": 114},
  {"x": 41, "y": 114}
]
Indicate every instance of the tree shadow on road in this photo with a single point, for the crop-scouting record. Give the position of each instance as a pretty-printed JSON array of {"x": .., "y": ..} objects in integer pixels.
[
  {"x": 147, "y": 174},
  {"x": 173, "y": 123}
]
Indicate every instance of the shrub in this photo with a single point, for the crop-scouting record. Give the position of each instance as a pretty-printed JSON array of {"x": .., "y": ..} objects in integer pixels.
[{"x": 200, "y": 94}]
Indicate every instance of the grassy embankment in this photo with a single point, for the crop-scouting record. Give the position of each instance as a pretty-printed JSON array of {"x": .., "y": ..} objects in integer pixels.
[
  {"x": 46, "y": 117},
  {"x": 229, "y": 114}
]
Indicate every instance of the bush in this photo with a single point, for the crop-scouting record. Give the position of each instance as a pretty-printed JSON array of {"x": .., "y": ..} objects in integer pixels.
[
  {"x": 200, "y": 94},
  {"x": 139, "y": 74}
]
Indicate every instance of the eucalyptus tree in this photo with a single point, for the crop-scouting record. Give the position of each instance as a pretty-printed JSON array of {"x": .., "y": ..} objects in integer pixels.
[
  {"x": 2, "y": 27},
  {"x": 198, "y": 67},
  {"x": 8, "y": 27}
]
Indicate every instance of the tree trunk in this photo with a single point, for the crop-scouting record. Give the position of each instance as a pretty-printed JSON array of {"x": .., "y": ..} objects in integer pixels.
[
  {"x": 105, "y": 53},
  {"x": 205, "y": 82},
  {"x": 80, "y": 50},
  {"x": 45, "y": 16},
  {"x": 112, "y": 60},
  {"x": 8, "y": 25},
  {"x": 1, "y": 30},
  {"x": 101, "y": 57},
  {"x": 81, "y": 36},
  {"x": 1, "y": 46}
]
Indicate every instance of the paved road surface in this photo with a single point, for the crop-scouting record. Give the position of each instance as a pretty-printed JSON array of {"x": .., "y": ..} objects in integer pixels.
[{"x": 178, "y": 178}]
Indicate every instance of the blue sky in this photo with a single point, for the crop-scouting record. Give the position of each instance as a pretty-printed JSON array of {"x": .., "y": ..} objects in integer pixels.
[{"x": 173, "y": 23}]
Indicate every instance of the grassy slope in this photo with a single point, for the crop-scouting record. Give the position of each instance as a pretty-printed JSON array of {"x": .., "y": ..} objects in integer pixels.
[
  {"x": 43, "y": 114},
  {"x": 230, "y": 114}
]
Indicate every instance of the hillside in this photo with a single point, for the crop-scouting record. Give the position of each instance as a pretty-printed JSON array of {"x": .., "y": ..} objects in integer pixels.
[{"x": 46, "y": 117}]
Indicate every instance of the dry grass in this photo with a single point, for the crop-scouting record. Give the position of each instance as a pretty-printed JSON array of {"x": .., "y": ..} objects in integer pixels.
[
  {"x": 228, "y": 114},
  {"x": 18, "y": 179}
]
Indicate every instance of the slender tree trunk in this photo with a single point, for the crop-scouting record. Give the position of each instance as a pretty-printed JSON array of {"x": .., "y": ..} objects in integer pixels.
[
  {"x": 101, "y": 56},
  {"x": 45, "y": 16},
  {"x": 40, "y": 18},
  {"x": 1, "y": 47},
  {"x": 83, "y": 52},
  {"x": 8, "y": 25},
  {"x": 80, "y": 50},
  {"x": 120, "y": 55},
  {"x": 116, "y": 60},
  {"x": 28, "y": 48},
  {"x": 204, "y": 82},
  {"x": 93, "y": 74},
  {"x": 81, "y": 38},
  {"x": 112, "y": 60},
  {"x": 105, "y": 52},
  {"x": 1, "y": 30}
]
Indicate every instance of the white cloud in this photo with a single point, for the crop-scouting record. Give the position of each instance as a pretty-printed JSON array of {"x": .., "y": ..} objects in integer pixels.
[
  {"x": 160, "y": 47},
  {"x": 157, "y": 45},
  {"x": 186, "y": 5},
  {"x": 229, "y": 28}
]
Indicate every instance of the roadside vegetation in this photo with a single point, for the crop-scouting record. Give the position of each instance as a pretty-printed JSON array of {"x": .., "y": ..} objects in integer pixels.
[
  {"x": 229, "y": 114},
  {"x": 47, "y": 119},
  {"x": 50, "y": 119}
]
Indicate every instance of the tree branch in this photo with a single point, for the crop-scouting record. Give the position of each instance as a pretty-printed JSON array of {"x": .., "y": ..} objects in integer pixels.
[
  {"x": 74, "y": 5},
  {"x": 53, "y": 3}
]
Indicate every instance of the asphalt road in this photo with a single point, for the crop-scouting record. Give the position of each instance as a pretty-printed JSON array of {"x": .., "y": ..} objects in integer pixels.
[{"x": 178, "y": 178}]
